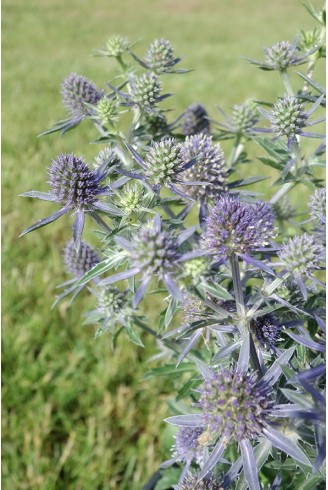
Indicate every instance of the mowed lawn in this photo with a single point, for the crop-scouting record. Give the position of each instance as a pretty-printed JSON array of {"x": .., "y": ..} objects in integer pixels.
[{"x": 75, "y": 413}]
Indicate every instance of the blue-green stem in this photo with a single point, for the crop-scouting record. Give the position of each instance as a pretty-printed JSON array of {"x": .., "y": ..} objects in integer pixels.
[
  {"x": 235, "y": 152},
  {"x": 241, "y": 311},
  {"x": 286, "y": 81}
]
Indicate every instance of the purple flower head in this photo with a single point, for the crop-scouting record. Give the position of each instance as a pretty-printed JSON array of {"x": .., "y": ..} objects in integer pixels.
[
  {"x": 209, "y": 168},
  {"x": 234, "y": 227},
  {"x": 210, "y": 482},
  {"x": 79, "y": 262},
  {"x": 76, "y": 188},
  {"x": 195, "y": 120},
  {"x": 302, "y": 255},
  {"x": 234, "y": 405},
  {"x": 187, "y": 447},
  {"x": 194, "y": 309},
  {"x": 267, "y": 330},
  {"x": 73, "y": 183},
  {"x": 77, "y": 91}
]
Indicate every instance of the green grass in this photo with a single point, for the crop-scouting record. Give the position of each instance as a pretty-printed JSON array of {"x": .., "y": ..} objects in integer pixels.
[{"x": 77, "y": 415}]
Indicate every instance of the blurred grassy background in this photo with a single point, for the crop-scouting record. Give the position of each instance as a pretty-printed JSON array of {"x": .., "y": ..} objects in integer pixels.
[{"x": 77, "y": 415}]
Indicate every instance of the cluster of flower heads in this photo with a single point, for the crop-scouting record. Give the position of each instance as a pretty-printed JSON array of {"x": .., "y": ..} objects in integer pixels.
[{"x": 234, "y": 227}]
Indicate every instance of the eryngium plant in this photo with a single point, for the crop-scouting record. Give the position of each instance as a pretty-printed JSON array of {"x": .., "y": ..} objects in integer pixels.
[{"x": 241, "y": 323}]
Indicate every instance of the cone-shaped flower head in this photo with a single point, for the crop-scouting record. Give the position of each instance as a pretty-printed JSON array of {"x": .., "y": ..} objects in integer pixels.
[
  {"x": 234, "y": 405},
  {"x": 197, "y": 268},
  {"x": 72, "y": 181},
  {"x": 112, "y": 302},
  {"x": 131, "y": 198},
  {"x": 146, "y": 90},
  {"x": 194, "y": 309},
  {"x": 187, "y": 447},
  {"x": 164, "y": 161},
  {"x": 106, "y": 156},
  {"x": 244, "y": 117},
  {"x": 156, "y": 124},
  {"x": 281, "y": 55},
  {"x": 107, "y": 112},
  {"x": 317, "y": 205},
  {"x": 236, "y": 227},
  {"x": 288, "y": 117},
  {"x": 267, "y": 330},
  {"x": 76, "y": 92},
  {"x": 195, "y": 120},
  {"x": 210, "y": 482},
  {"x": 301, "y": 255},
  {"x": 283, "y": 209},
  {"x": 79, "y": 262},
  {"x": 159, "y": 57},
  {"x": 153, "y": 252},
  {"x": 209, "y": 168},
  {"x": 116, "y": 45}
]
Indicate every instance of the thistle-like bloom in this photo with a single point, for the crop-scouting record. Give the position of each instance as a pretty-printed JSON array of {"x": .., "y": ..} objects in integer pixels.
[
  {"x": 267, "y": 330},
  {"x": 197, "y": 268},
  {"x": 240, "y": 123},
  {"x": 288, "y": 118},
  {"x": 191, "y": 482},
  {"x": 146, "y": 90},
  {"x": 164, "y": 161},
  {"x": 195, "y": 120},
  {"x": 116, "y": 46},
  {"x": 317, "y": 205},
  {"x": 210, "y": 167},
  {"x": 187, "y": 447},
  {"x": 194, "y": 309},
  {"x": 106, "y": 113},
  {"x": 301, "y": 255},
  {"x": 77, "y": 92},
  {"x": 131, "y": 198},
  {"x": 234, "y": 405},
  {"x": 112, "y": 309},
  {"x": 107, "y": 157},
  {"x": 154, "y": 253},
  {"x": 163, "y": 165},
  {"x": 283, "y": 209},
  {"x": 280, "y": 56},
  {"x": 77, "y": 189},
  {"x": 233, "y": 227},
  {"x": 79, "y": 262},
  {"x": 159, "y": 57}
]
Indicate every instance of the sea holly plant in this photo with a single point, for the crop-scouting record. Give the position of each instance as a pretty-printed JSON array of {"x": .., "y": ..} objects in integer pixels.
[{"x": 238, "y": 273}]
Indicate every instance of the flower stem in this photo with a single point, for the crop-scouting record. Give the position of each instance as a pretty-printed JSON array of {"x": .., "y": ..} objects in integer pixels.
[
  {"x": 286, "y": 80},
  {"x": 241, "y": 312}
]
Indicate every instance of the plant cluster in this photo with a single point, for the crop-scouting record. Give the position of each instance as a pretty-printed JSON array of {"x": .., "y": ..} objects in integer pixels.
[{"x": 240, "y": 278}]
